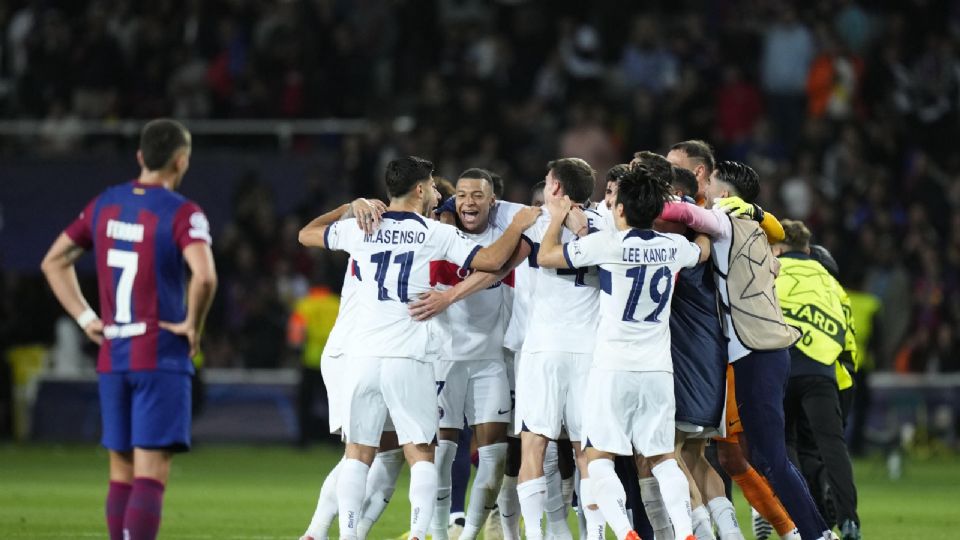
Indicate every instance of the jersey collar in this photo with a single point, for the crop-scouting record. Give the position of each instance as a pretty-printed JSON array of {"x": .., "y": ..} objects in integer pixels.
[{"x": 400, "y": 216}]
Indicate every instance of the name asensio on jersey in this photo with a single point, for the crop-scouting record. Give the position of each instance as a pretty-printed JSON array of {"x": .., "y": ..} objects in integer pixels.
[
  {"x": 396, "y": 237},
  {"x": 649, "y": 255}
]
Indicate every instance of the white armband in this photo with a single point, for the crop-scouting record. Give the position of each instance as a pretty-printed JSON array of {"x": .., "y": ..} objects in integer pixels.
[{"x": 87, "y": 317}]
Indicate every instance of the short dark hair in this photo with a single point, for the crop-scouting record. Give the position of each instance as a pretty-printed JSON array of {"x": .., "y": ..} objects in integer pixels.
[
  {"x": 160, "y": 140},
  {"x": 657, "y": 164},
  {"x": 698, "y": 149},
  {"x": 823, "y": 256},
  {"x": 538, "y": 187},
  {"x": 406, "y": 172},
  {"x": 445, "y": 187},
  {"x": 642, "y": 193},
  {"x": 741, "y": 177},
  {"x": 617, "y": 172},
  {"x": 498, "y": 186},
  {"x": 685, "y": 181},
  {"x": 576, "y": 176},
  {"x": 483, "y": 174},
  {"x": 796, "y": 235}
]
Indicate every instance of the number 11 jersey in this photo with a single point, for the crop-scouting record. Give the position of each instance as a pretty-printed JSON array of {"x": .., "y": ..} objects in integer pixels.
[
  {"x": 393, "y": 269},
  {"x": 138, "y": 233}
]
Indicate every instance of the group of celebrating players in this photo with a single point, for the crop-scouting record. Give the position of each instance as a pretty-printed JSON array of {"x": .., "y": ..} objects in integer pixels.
[{"x": 576, "y": 332}]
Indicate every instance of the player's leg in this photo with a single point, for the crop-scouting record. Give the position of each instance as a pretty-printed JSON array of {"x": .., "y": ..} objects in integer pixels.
[
  {"x": 540, "y": 415},
  {"x": 381, "y": 480},
  {"x": 760, "y": 381},
  {"x": 451, "y": 384},
  {"x": 331, "y": 369},
  {"x": 711, "y": 487},
  {"x": 756, "y": 490},
  {"x": 577, "y": 372},
  {"x": 459, "y": 482},
  {"x": 326, "y": 510},
  {"x": 555, "y": 508},
  {"x": 487, "y": 408},
  {"x": 653, "y": 432},
  {"x": 508, "y": 504},
  {"x": 653, "y": 500},
  {"x": 161, "y": 426},
  {"x": 364, "y": 414},
  {"x": 608, "y": 410},
  {"x": 115, "y": 413},
  {"x": 409, "y": 391},
  {"x": 567, "y": 464},
  {"x": 702, "y": 526}
]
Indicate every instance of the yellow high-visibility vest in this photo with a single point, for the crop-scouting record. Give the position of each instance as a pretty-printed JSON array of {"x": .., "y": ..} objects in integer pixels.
[
  {"x": 310, "y": 324},
  {"x": 810, "y": 299}
]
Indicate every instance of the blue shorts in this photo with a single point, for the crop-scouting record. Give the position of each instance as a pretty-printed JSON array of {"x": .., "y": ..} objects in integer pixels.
[{"x": 145, "y": 409}]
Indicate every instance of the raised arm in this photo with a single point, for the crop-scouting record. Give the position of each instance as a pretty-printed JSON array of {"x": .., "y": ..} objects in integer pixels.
[
  {"x": 367, "y": 212},
  {"x": 434, "y": 302},
  {"x": 698, "y": 219},
  {"x": 493, "y": 257},
  {"x": 551, "y": 249},
  {"x": 58, "y": 267}
]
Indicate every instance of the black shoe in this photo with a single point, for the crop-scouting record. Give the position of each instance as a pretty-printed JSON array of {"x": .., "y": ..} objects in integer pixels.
[{"x": 849, "y": 530}]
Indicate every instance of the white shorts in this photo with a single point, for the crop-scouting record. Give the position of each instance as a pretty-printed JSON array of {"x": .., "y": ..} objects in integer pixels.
[
  {"x": 331, "y": 369},
  {"x": 627, "y": 412},
  {"x": 553, "y": 385},
  {"x": 510, "y": 360},
  {"x": 404, "y": 387},
  {"x": 477, "y": 389}
]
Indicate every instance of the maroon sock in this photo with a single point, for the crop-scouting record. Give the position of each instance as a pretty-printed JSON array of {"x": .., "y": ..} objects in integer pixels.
[
  {"x": 142, "y": 519},
  {"x": 117, "y": 497}
]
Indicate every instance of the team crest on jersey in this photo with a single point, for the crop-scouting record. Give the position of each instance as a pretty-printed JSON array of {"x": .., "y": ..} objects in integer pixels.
[{"x": 199, "y": 227}]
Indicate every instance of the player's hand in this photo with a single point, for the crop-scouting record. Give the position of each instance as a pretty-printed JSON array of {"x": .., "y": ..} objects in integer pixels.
[
  {"x": 526, "y": 217},
  {"x": 576, "y": 221},
  {"x": 94, "y": 331},
  {"x": 186, "y": 329},
  {"x": 368, "y": 212},
  {"x": 429, "y": 305},
  {"x": 737, "y": 207}
]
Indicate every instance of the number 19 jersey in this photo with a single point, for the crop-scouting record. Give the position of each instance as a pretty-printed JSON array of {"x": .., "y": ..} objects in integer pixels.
[
  {"x": 138, "y": 233},
  {"x": 393, "y": 267},
  {"x": 637, "y": 272}
]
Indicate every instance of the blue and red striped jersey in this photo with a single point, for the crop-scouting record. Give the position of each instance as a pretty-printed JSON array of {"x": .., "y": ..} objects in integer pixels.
[{"x": 138, "y": 233}]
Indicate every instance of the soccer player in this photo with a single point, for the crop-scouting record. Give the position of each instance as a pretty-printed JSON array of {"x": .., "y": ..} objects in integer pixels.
[
  {"x": 472, "y": 381},
  {"x": 629, "y": 402},
  {"x": 812, "y": 300},
  {"x": 758, "y": 336},
  {"x": 388, "y": 348},
  {"x": 556, "y": 350},
  {"x": 144, "y": 236}
]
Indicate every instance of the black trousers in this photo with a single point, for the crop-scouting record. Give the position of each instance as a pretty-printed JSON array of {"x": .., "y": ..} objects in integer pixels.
[
  {"x": 312, "y": 425},
  {"x": 815, "y": 443}
]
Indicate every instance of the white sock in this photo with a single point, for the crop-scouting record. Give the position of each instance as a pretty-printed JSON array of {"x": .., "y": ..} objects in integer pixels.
[
  {"x": 581, "y": 517},
  {"x": 702, "y": 528},
  {"x": 656, "y": 511},
  {"x": 381, "y": 482},
  {"x": 446, "y": 452},
  {"x": 723, "y": 514},
  {"x": 594, "y": 517},
  {"x": 554, "y": 507},
  {"x": 792, "y": 535},
  {"x": 675, "y": 491},
  {"x": 350, "y": 489},
  {"x": 532, "y": 494},
  {"x": 486, "y": 487},
  {"x": 509, "y": 508},
  {"x": 423, "y": 493},
  {"x": 610, "y": 496},
  {"x": 326, "y": 506}
]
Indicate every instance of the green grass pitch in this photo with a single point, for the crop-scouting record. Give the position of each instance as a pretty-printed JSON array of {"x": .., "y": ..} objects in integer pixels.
[{"x": 247, "y": 493}]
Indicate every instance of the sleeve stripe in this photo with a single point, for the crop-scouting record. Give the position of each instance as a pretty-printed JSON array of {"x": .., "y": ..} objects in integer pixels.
[
  {"x": 566, "y": 256},
  {"x": 326, "y": 236},
  {"x": 526, "y": 239},
  {"x": 469, "y": 259}
]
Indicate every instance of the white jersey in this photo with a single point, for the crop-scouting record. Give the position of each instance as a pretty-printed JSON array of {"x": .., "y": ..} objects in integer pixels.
[
  {"x": 564, "y": 313},
  {"x": 393, "y": 266},
  {"x": 345, "y": 313},
  {"x": 637, "y": 270},
  {"x": 518, "y": 310},
  {"x": 478, "y": 320},
  {"x": 607, "y": 215}
]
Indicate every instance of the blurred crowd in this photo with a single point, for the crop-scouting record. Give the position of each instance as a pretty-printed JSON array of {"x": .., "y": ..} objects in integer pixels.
[{"x": 847, "y": 109}]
